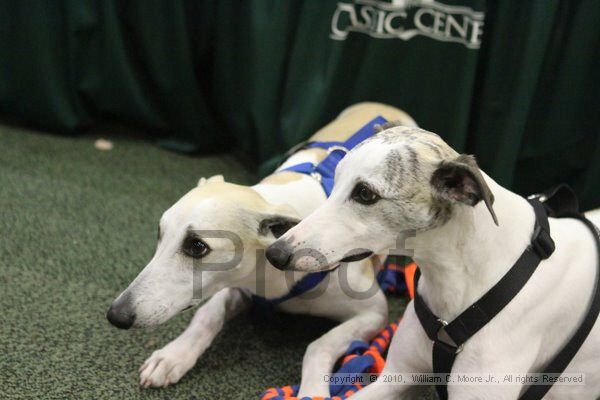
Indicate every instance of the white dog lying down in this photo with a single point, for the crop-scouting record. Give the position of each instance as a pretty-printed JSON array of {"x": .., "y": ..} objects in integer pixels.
[
  {"x": 388, "y": 195},
  {"x": 257, "y": 215}
]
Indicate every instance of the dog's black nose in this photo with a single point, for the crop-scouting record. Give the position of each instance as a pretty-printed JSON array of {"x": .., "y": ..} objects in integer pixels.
[
  {"x": 120, "y": 314},
  {"x": 279, "y": 254}
]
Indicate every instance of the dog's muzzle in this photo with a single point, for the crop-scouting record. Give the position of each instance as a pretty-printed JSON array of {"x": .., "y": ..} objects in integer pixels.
[
  {"x": 120, "y": 313},
  {"x": 279, "y": 254}
]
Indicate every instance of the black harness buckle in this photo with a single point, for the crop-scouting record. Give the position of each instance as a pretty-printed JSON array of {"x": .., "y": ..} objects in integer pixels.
[
  {"x": 542, "y": 242},
  {"x": 450, "y": 347}
]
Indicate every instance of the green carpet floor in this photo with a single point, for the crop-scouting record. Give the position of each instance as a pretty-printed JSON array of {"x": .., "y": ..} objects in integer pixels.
[{"x": 77, "y": 225}]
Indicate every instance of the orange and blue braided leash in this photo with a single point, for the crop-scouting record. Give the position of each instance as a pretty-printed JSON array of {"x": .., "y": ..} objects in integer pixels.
[{"x": 361, "y": 357}]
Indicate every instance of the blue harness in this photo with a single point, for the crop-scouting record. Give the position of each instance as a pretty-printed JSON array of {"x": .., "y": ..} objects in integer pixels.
[{"x": 324, "y": 172}]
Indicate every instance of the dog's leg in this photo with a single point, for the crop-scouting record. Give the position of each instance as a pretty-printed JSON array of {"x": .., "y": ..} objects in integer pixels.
[
  {"x": 167, "y": 365},
  {"x": 322, "y": 354},
  {"x": 410, "y": 352},
  {"x": 361, "y": 319}
]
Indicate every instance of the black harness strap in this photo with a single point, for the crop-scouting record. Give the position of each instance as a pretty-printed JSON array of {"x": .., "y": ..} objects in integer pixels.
[
  {"x": 491, "y": 303},
  {"x": 560, "y": 362}
]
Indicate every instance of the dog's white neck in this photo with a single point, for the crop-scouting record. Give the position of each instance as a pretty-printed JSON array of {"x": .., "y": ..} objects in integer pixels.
[
  {"x": 464, "y": 258},
  {"x": 304, "y": 194}
]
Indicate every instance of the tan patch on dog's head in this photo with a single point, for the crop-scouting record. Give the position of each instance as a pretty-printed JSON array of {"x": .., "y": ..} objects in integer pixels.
[
  {"x": 228, "y": 206},
  {"x": 221, "y": 191}
]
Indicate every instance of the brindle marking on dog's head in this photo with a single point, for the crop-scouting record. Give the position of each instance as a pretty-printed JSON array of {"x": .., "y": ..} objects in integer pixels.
[
  {"x": 407, "y": 170},
  {"x": 387, "y": 125}
]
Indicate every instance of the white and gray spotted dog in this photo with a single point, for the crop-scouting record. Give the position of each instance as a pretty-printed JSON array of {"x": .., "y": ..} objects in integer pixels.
[{"x": 407, "y": 191}]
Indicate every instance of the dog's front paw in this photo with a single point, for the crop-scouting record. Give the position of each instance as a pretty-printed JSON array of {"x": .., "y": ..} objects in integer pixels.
[{"x": 166, "y": 366}]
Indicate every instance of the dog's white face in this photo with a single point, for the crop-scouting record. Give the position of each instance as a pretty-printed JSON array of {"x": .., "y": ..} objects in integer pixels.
[
  {"x": 398, "y": 183},
  {"x": 206, "y": 241}
]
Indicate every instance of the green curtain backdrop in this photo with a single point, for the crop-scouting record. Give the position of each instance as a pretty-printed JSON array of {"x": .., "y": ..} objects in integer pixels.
[{"x": 514, "y": 82}]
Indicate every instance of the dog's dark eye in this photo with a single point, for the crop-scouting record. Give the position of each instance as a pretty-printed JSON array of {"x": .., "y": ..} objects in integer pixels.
[
  {"x": 195, "y": 247},
  {"x": 364, "y": 195}
]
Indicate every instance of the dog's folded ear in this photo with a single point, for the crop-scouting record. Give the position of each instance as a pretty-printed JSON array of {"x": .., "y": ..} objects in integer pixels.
[
  {"x": 276, "y": 221},
  {"x": 276, "y": 225},
  {"x": 461, "y": 180},
  {"x": 214, "y": 178}
]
